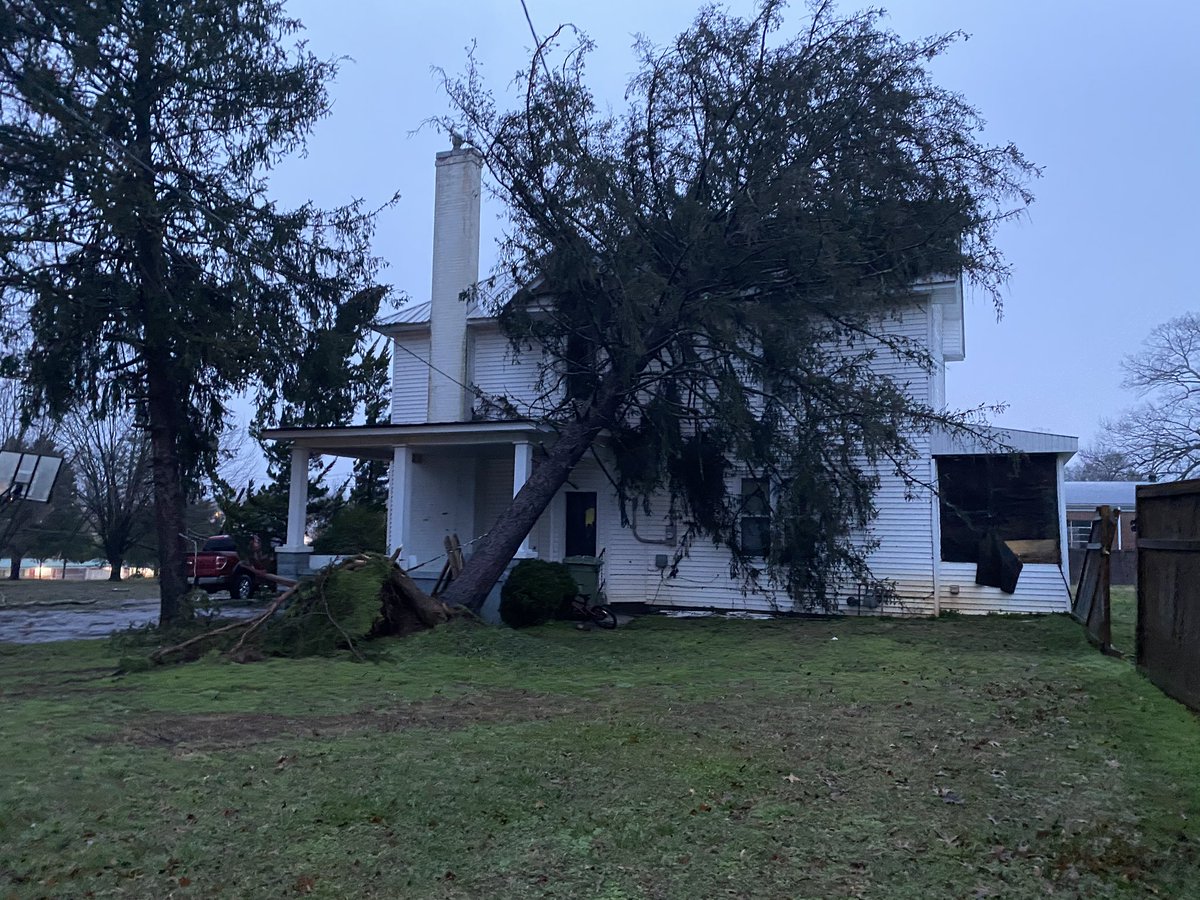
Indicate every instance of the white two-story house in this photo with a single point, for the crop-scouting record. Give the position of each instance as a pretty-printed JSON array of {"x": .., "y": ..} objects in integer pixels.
[{"x": 455, "y": 466}]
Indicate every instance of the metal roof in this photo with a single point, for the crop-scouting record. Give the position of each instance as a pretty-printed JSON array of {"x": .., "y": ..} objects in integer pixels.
[
  {"x": 409, "y": 314},
  {"x": 1090, "y": 494},
  {"x": 418, "y": 314},
  {"x": 993, "y": 439}
]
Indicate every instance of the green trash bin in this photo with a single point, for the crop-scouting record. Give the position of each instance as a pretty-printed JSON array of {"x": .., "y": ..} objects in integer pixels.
[{"x": 586, "y": 572}]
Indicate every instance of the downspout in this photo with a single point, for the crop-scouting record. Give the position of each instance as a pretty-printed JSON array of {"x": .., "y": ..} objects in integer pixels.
[{"x": 935, "y": 533}]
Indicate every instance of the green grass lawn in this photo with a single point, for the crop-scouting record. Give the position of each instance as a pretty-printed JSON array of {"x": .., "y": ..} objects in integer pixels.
[
  {"x": 960, "y": 757},
  {"x": 1123, "y": 618}
]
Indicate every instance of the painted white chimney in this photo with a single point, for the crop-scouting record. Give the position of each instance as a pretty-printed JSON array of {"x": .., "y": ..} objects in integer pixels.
[{"x": 455, "y": 269}]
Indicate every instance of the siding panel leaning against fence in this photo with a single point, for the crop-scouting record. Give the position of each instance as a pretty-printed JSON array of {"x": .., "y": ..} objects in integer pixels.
[{"x": 1168, "y": 625}]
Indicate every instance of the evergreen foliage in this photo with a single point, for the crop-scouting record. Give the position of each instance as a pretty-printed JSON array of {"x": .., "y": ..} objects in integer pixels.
[
  {"x": 337, "y": 610},
  {"x": 715, "y": 272},
  {"x": 139, "y": 248},
  {"x": 354, "y": 528}
]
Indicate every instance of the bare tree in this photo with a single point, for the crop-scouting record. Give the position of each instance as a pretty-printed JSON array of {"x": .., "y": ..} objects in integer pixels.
[
  {"x": 113, "y": 477},
  {"x": 1161, "y": 437},
  {"x": 1100, "y": 462}
]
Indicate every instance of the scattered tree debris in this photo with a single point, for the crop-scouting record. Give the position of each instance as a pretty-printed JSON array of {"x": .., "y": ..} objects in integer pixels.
[{"x": 362, "y": 597}]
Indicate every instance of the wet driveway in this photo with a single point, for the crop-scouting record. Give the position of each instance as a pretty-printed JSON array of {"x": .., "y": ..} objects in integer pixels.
[{"x": 36, "y": 624}]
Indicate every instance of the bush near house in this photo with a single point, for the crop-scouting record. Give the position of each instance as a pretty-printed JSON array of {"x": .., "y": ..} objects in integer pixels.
[
  {"x": 535, "y": 592},
  {"x": 354, "y": 528}
]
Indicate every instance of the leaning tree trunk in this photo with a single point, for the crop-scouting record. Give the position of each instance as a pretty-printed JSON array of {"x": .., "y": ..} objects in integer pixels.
[{"x": 495, "y": 550}]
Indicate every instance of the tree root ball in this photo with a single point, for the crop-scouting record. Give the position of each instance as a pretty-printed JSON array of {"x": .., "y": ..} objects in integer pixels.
[{"x": 340, "y": 608}]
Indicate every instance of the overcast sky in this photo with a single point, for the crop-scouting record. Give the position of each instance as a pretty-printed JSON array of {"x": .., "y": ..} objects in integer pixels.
[{"x": 1103, "y": 95}]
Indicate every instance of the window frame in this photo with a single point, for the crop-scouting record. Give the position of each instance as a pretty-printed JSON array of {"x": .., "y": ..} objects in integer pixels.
[{"x": 755, "y": 511}]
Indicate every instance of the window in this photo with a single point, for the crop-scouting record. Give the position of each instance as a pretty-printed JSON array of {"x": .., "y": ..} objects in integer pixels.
[
  {"x": 756, "y": 517},
  {"x": 1016, "y": 496},
  {"x": 1080, "y": 532}
]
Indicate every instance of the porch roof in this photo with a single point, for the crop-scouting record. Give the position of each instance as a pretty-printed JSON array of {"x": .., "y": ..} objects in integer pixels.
[
  {"x": 992, "y": 439},
  {"x": 378, "y": 441}
]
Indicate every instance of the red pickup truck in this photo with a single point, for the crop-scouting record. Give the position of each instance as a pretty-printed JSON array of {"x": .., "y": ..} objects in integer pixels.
[{"x": 217, "y": 567}]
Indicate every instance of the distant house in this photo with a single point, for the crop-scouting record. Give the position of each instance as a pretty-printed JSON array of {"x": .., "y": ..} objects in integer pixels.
[
  {"x": 464, "y": 437},
  {"x": 1083, "y": 497}
]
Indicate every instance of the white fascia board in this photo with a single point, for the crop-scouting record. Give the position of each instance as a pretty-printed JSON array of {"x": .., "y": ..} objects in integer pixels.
[
  {"x": 372, "y": 441},
  {"x": 947, "y": 291},
  {"x": 995, "y": 440}
]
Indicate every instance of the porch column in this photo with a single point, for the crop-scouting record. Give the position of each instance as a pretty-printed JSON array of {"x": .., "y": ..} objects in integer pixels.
[
  {"x": 297, "y": 501},
  {"x": 522, "y": 468},
  {"x": 401, "y": 506},
  {"x": 292, "y": 558}
]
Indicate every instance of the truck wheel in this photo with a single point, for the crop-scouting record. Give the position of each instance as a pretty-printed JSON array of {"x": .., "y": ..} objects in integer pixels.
[{"x": 242, "y": 587}]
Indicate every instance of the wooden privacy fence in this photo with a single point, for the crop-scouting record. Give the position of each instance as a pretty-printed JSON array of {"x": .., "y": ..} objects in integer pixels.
[
  {"x": 1091, "y": 606},
  {"x": 1168, "y": 623}
]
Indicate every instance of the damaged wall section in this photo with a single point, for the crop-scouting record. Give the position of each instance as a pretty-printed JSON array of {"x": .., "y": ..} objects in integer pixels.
[{"x": 1015, "y": 495}]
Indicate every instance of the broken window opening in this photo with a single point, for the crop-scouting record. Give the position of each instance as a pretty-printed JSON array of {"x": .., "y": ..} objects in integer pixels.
[{"x": 1015, "y": 496}]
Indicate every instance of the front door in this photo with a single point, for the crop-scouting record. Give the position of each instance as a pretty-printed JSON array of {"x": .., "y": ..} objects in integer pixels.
[{"x": 581, "y": 523}]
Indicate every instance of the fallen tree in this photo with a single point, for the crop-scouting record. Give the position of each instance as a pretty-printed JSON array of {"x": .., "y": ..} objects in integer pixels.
[
  {"x": 710, "y": 276},
  {"x": 340, "y": 608}
]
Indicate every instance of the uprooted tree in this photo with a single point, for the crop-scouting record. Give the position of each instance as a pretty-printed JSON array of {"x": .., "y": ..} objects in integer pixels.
[
  {"x": 710, "y": 271},
  {"x": 142, "y": 263},
  {"x": 362, "y": 597}
]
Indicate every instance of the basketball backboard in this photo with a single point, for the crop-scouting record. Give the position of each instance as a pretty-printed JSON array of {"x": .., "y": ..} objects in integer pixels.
[{"x": 27, "y": 476}]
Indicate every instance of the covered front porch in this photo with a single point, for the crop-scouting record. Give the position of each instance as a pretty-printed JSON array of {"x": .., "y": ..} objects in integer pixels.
[{"x": 451, "y": 478}]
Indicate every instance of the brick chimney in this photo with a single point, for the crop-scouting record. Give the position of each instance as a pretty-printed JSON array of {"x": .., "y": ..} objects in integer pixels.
[{"x": 455, "y": 269}]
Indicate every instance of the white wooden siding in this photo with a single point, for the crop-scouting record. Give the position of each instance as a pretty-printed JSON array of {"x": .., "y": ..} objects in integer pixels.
[
  {"x": 908, "y": 554},
  {"x": 494, "y": 370},
  {"x": 410, "y": 378},
  {"x": 904, "y": 526},
  {"x": 493, "y": 492},
  {"x": 904, "y": 557},
  {"x": 1040, "y": 589},
  {"x": 937, "y": 335},
  {"x": 443, "y": 489}
]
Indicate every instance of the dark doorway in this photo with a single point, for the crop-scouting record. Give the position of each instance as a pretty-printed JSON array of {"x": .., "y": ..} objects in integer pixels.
[{"x": 581, "y": 523}]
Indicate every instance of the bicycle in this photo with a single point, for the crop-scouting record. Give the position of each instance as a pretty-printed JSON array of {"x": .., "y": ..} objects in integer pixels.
[
  {"x": 600, "y": 615},
  {"x": 581, "y": 606}
]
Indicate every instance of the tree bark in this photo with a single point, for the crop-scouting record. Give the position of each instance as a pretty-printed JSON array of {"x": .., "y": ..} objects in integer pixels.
[
  {"x": 168, "y": 491},
  {"x": 495, "y": 550},
  {"x": 165, "y": 396},
  {"x": 14, "y": 567},
  {"x": 115, "y": 565}
]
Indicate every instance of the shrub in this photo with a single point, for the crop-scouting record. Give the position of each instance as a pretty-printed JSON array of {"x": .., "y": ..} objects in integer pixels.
[
  {"x": 534, "y": 592},
  {"x": 353, "y": 529}
]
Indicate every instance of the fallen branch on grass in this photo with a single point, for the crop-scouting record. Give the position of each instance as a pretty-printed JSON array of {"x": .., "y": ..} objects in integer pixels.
[
  {"x": 249, "y": 624},
  {"x": 360, "y": 598}
]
